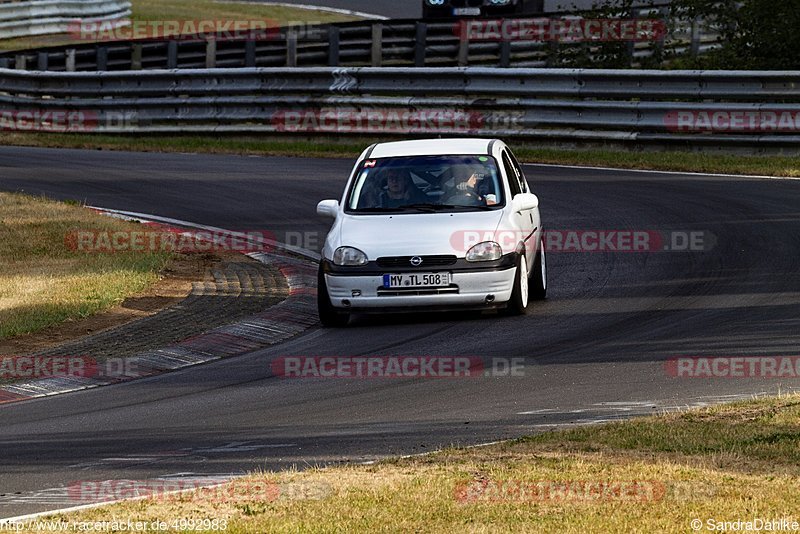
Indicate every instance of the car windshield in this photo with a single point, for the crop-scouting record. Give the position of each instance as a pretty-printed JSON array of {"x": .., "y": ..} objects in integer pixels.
[{"x": 426, "y": 184}]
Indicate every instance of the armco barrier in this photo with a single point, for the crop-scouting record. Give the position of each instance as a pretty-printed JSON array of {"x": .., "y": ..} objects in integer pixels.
[
  {"x": 723, "y": 108},
  {"x": 405, "y": 42},
  {"x": 38, "y": 17}
]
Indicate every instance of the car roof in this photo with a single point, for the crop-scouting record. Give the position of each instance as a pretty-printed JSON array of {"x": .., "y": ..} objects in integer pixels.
[{"x": 432, "y": 147}]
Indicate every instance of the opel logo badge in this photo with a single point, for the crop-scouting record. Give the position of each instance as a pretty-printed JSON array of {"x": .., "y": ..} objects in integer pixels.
[{"x": 416, "y": 261}]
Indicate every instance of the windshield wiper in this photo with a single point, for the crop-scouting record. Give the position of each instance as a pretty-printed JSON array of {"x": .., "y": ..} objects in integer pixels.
[
  {"x": 455, "y": 206},
  {"x": 440, "y": 207},
  {"x": 378, "y": 210},
  {"x": 428, "y": 206}
]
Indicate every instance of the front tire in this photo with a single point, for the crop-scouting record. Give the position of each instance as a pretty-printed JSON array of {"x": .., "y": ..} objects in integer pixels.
[
  {"x": 329, "y": 316},
  {"x": 518, "y": 304},
  {"x": 538, "y": 285}
]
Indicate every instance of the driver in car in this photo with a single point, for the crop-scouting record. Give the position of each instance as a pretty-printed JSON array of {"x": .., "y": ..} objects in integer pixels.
[
  {"x": 466, "y": 192},
  {"x": 400, "y": 190}
]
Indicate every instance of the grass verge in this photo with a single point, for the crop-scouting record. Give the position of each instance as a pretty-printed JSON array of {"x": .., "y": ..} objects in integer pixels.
[
  {"x": 186, "y": 10},
  {"x": 655, "y": 474},
  {"x": 350, "y": 148},
  {"x": 44, "y": 283}
]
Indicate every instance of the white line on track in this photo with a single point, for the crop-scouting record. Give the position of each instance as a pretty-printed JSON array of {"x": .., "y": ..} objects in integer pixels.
[
  {"x": 638, "y": 171},
  {"x": 25, "y": 518},
  {"x": 144, "y": 217},
  {"x": 646, "y": 171}
]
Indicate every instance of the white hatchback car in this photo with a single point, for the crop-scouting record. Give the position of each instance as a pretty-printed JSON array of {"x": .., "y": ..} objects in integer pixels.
[{"x": 432, "y": 224}]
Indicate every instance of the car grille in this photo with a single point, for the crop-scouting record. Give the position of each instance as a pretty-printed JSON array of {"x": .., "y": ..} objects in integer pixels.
[{"x": 427, "y": 261}]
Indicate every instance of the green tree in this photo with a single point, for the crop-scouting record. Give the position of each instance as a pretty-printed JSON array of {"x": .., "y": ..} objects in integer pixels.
[
  {"x": 755, "y": 34},
  {"x": 605, "y": 54}
]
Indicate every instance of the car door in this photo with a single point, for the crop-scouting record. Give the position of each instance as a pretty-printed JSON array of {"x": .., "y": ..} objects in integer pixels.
[{"x": 526, "y": 221}]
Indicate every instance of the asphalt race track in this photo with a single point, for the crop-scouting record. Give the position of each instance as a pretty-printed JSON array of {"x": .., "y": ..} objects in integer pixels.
[{"x": 594, "y": 351}]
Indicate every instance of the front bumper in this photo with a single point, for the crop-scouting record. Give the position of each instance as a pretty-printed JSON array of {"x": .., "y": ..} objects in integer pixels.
[{"x": 475, "y": 289}]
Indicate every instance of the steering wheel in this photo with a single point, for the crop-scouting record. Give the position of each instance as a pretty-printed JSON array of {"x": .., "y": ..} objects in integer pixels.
[{"x": 464, "y": 198}]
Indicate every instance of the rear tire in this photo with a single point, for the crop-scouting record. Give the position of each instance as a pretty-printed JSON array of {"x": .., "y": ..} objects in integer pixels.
[
  {"x": 538, "y": 285},
  {"x": 329, "y": 316},
  {"x": 518, "y": 304}
]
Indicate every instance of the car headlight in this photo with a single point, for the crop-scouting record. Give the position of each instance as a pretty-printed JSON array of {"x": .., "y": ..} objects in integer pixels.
[
  {"x": 435, "y": 2},
  {"x": 485, "y": 251},
  {"x": 349, "y": 256},
  {"x": 500, "y": 2}
]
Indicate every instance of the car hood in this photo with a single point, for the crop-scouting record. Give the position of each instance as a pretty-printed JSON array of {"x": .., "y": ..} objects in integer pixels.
[{"x": 419, "y": 233}]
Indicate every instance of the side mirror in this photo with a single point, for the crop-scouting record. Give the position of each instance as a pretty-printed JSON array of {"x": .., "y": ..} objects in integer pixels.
[
  {"x": 525, "y": 202},
  {"x": 328, "y": 208}
]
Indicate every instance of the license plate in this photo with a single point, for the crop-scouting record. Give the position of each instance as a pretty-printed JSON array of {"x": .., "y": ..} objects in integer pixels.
[
  {"x": 466, "y": 11},
  {"x": 392, "y": 281}
]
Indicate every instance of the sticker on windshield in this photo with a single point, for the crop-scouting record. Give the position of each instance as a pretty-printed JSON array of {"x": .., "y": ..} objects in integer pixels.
[
  {"x": 483, "y": 158},
  {"x": 369, "y": 163}
]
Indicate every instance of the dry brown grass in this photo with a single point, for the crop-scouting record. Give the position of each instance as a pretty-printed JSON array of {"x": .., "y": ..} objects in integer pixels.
[
  {"x": 43, "y": 282},
  {"x": 722, "y": 464}
]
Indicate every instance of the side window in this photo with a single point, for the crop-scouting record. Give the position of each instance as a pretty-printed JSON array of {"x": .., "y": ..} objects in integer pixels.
[
  {"x": 518, "y": 168},
  {"x": 512, "y": 173}
]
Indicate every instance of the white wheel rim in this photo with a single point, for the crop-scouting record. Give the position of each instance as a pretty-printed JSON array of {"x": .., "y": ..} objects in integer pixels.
[
  {"x": 523, "y": 281},
  {"x": 544, "y": 266}
]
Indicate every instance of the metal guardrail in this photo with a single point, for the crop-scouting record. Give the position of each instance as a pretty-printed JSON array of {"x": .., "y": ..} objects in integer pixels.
[
  {"x": 39, "y": 17},
  {"x": 362, "y": 43},
  {"x": 633, "y": 106}
]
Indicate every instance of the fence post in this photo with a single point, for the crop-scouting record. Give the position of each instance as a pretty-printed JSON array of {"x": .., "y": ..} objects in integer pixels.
[
  {"x": 136, "y": 57},
  {"x": 250, "y": 53},
  {"x": 463, "y": 49},
  {"x": 41, "y": 61},
  {"x": 101, "y": 57},
  {"x": 505, "y": 53},
  {"x": 333, "y": 46},
  {"x": 631, "y": 46},
  {"x": 377, "y": 44},
  {"x": 291, "y": 48},
  {"x": 4, "y": 62},
  {"x": 696, "y": 37},
  {"x": 20, "y": 62},
  {"x": 211, "y": 53},
  {"x": 420, "y": 41},
  {"x": 553, "y": 50},
  {"x": 664, "y": 15},
  {"x": 172, "y": 55},
  {"x": 69, "y": 59}
]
